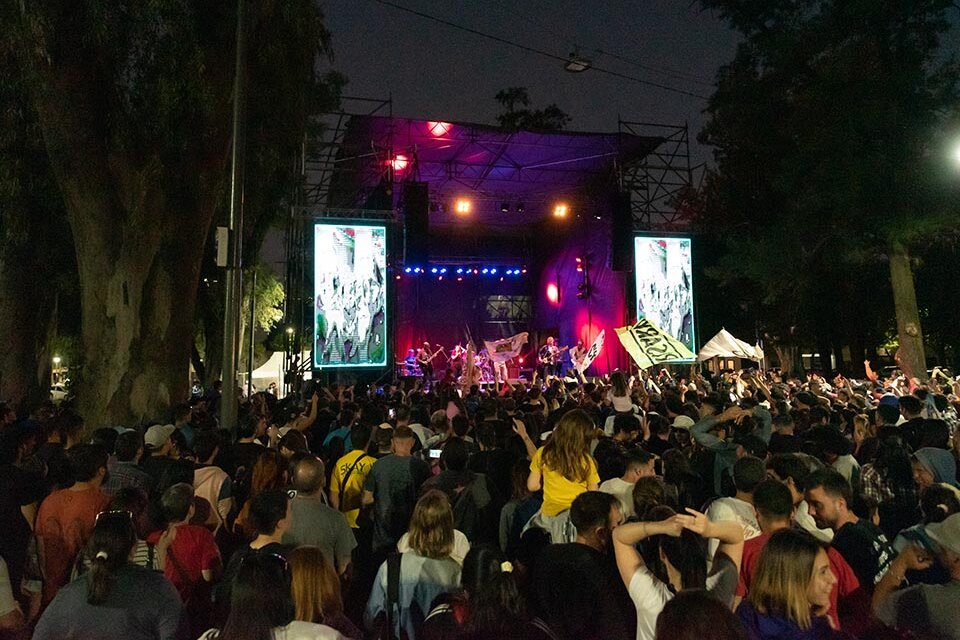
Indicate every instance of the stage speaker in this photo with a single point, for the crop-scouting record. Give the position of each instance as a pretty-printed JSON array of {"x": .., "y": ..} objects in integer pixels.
[
  {"x": 621, "y": 233},
  {"x": 416, "y": 223}
]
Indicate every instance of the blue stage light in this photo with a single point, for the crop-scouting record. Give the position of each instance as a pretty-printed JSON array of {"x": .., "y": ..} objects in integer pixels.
[
  {"x": 485, "y": 270},
  {"x": 443, "y": 270},
  {"x": 493, "y": 270},
  {"x": 408, "y": 270},
  {"x": 433, "y": 270},
  {"x": 459, "y": 269}
]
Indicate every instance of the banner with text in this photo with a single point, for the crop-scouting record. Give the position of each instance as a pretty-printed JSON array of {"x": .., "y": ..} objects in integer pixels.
[
  {"x": 649, "y": 345},
  {"x": 592, "y": 353},
  {"x": 503, "y": 350}
]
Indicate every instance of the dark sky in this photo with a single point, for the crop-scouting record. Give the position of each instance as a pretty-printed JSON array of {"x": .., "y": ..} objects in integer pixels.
[{"x": 432, "y": 71}]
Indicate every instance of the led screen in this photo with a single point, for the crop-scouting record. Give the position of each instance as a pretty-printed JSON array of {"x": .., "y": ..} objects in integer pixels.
[
  {"x": 665, "y": 285},
  {"x": 350, "y": 295}
]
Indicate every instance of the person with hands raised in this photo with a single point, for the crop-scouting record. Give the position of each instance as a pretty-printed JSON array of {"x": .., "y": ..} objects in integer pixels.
[{"x": 682, "y": 549}]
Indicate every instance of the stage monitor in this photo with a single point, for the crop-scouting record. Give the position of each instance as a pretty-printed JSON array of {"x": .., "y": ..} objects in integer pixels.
[
  {"x": 350, "y": 295},
  {"x": 664, "y": 277}
]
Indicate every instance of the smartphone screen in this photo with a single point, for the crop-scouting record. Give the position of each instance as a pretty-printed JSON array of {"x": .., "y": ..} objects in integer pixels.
[{"x": 435, "y": 453}]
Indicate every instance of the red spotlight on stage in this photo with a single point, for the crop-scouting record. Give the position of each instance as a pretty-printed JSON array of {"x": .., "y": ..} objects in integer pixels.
[
  {"x": 400, "y": 162},
  {"x": 462, "y": 206},
  {"x": 439, "y": 128},
  {"x": 520, "y": 360},
  {"x": 553, "y": 293},
  {"x": 560, "y": 210}
]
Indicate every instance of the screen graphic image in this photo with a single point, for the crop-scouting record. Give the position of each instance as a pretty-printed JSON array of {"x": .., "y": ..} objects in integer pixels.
[
  {"x": 664, "y": 272},
  {"x": 350, "y": 296}
]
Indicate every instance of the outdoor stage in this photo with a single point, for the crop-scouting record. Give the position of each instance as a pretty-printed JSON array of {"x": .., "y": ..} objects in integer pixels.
[{"x": 487, "y": 234}]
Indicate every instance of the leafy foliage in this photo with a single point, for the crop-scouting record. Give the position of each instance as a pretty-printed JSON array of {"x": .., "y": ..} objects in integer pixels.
[
  {"x": 518, "y": 114},
  {"x": 827, "y": 129}
]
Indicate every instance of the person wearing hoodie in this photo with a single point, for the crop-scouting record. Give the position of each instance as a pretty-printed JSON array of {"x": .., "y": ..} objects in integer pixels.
[{"x": 933, "y": 466}]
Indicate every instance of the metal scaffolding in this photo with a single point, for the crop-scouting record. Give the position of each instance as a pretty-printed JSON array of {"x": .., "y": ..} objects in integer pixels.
[{"x": 656, "y": 181}]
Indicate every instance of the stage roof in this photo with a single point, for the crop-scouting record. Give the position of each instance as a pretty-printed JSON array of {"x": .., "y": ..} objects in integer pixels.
[{"x": 493, "y": 168}]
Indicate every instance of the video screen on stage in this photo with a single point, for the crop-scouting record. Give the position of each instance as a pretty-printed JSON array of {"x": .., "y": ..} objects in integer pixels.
[
  {"x": 350, "y": 295},
  {"x": 664, "y": 272}
]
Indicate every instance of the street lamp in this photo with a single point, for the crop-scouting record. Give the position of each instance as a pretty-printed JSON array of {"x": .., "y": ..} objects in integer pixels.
[{"x": 56, "y": 361}]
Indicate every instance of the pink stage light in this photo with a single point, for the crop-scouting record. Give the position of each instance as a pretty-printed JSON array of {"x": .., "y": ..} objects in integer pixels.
[
  {"x": 553, "y": 293},
  {"x": 400, "y": 162},
  {"x": 439, "y": 128}
]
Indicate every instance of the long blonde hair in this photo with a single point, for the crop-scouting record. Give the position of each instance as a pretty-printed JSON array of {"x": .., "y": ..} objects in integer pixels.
[
  {"x": 567, "y": 451},
  {"x": 315, "y": 586},
  {"x": 431, "y": 526},
  {"x": 784, "y": 570},
  {"x": 862, "y": 421}
]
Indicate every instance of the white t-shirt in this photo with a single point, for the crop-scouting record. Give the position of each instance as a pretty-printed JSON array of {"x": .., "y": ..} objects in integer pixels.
[
  {"x": 623, "y": 490},
  {"x": 806, "y": 522},
  {"x": 621, "y": 404},
  {"x": 296, "y": 630},
  {"x": 461, "y": 546},
  {"x": 732, "y": 510},
  {"x": 650, "y": 595}
]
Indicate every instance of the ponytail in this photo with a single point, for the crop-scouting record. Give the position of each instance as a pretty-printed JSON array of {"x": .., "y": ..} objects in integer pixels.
[{"x": 110, "y": 545}]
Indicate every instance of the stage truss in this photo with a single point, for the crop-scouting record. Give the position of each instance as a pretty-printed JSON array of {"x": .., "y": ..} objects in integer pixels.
[
  {"x": 361, "y": 185},
  {"x": 656, "y": 181}
]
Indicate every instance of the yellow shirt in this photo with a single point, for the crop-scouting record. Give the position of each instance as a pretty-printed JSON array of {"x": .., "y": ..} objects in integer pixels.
[
  {"x": 559, "y": 492},
  {"x": 353, "y": 490}
]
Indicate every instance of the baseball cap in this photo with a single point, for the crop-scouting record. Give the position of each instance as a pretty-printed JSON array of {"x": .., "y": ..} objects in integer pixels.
[
  {"x": 683, "y": 422},
  {"x": 158, "y": 434},
  {"x": 890, "y": 400},
  {"x": 946, "y": 534}
]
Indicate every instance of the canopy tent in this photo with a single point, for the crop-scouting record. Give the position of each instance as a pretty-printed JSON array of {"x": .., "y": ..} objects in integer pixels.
[{"x": 724, "y": 345}]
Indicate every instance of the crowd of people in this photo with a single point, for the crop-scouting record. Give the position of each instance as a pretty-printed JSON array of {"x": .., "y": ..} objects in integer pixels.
[{"x": 698, "y": 506}]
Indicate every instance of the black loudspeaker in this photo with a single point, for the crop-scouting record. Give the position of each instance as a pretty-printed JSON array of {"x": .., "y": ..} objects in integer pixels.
[
  {"x": 416, "y": 223},
  {"x": 621, "y": 233}
]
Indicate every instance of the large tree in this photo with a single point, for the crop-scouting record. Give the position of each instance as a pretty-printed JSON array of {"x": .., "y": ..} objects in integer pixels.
[
  {"x": 133, "y": 101},
  {"x": 828, "y": 130}
]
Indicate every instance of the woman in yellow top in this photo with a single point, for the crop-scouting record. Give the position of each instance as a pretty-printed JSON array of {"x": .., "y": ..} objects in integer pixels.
[{"x": 564, "y": 469}]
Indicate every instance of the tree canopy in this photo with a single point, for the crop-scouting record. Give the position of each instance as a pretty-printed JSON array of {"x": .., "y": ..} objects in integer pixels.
[
  {"x": 829, "y": 130},
  {"x": 132, "y": 103}
]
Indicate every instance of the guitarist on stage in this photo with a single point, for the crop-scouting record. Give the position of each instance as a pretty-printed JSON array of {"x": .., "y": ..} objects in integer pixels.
[
  {"x": 425, "y": 356},
  {"x": 549, "y": 356}
]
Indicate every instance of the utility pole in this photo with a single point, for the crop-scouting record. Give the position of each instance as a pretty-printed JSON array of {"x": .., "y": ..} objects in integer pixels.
[{"x": 233, "y": 280}]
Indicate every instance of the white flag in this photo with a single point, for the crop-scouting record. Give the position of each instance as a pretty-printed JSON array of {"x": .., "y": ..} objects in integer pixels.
[
  {"x": 503, "y": 350},
  {"x": 592, "y": 353}
]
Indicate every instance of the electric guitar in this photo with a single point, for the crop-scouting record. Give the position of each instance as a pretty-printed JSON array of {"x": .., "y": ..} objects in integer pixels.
[
  {"x": 430, "y": 359},
  {"x": 551, "y": 357}
]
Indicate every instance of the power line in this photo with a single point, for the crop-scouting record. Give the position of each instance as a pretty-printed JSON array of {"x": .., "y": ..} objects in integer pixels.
[
  {"x": 661, "y": 70},
  {"x": 540, "y": 52}
]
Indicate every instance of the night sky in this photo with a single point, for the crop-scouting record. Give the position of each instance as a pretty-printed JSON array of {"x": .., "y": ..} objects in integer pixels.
[{"x": 433, "y": 71}]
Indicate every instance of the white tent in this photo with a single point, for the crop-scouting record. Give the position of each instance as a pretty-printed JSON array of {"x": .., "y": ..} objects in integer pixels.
[{"x": 724, "y": 345}]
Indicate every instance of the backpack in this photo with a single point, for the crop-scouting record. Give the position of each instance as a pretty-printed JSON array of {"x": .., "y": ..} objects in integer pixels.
[{"x": 470, "y": 511}]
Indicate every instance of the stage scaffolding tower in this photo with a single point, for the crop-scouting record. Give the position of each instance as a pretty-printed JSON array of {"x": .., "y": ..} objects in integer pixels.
[
  {"x": 657, "y": 181},
  {"x": 321, "y": 157}
]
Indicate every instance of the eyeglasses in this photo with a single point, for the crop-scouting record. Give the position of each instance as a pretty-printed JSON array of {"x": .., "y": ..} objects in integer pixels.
[{"x": 114, "y": 513}]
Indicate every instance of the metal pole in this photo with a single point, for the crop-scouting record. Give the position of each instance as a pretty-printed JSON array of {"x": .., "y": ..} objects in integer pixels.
[
  {"x": 231, "y": 318},
  {"x": 253, "y": 331}
]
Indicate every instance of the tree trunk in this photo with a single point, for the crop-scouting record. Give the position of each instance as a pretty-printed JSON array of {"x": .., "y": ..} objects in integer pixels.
[
  {"x": 27, "y": 317},
  {"x": 911, "y": 355}
]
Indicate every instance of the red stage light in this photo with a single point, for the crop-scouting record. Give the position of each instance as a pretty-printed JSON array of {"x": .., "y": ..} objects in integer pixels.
[
  {"x": 398, "y": 276},
  {"x": 553, "y": 293},
  {"x": 462, "y": 206},
  {"x": 439, "y": 128},
  {"x": 400, "y": 162},
  {"x": 521, "y": 360},
  {"x": 459, "y": 278}
]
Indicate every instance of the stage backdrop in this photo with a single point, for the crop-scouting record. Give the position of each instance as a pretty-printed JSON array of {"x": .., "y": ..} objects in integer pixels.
[
  {"x": 572, "y": 318},
  {"x": 350, "y": 296}
]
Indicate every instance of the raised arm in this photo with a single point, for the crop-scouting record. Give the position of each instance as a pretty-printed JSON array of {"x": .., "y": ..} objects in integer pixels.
[{"x": 626, "y": 537}]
